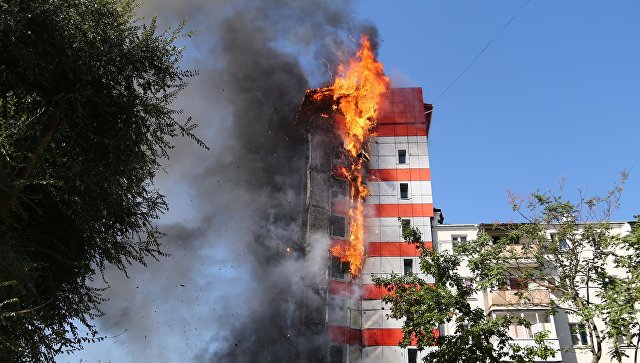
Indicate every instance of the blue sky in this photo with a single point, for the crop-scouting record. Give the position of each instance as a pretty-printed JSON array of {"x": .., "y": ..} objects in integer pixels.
[{"x": 555, "y": 96}]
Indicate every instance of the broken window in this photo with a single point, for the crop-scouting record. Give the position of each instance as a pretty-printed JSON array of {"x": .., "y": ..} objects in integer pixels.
[
  {"x": 338, "y": 226},
  {"x": 339, "y": 268},
  {"x": 339, "y": 188},
  {"x": 404, "y": 190},
  {"x": 402, "y": 156}
]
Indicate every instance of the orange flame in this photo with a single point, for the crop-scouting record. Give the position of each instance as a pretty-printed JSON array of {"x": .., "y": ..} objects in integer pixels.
[{"x": 357, "y": 93}]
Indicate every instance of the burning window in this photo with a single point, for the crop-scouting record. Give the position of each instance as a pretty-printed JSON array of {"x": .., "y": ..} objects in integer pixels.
[
  {"x": 404, "y": 190},
  {"x": 338, "y": 226},
  {"x": 339, "y": 188},
  {"x": 408, "y": 266},
  {"x": 339, "y": 268},
  {"x": 402, "y": 156}
]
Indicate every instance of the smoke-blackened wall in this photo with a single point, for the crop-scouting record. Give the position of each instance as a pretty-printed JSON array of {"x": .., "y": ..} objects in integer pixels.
[{"x": 231, "y": 290}]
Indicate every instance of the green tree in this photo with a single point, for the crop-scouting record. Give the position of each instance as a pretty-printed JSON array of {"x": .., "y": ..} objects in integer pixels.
[
  {"x": 85, "y": 120},
  {"x": 425, "y": 306},
  {"x": 568, "y": 249}
]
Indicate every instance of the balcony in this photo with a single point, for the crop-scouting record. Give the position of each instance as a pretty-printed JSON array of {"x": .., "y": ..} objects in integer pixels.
[
  {"x": 519, "y": 298},
  {"x": 552, "y": 343},
  {"x": 521, "y": 252}
]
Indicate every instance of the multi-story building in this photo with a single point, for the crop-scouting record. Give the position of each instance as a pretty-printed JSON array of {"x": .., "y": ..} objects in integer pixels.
[
  {"x": 566, "y": 334},
  {"x": 398, "y": 180},
  {"x": 399, "y": 184}
]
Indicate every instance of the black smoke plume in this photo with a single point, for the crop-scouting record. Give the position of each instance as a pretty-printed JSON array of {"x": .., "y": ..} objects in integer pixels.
[{"x": 230, "y": 292}]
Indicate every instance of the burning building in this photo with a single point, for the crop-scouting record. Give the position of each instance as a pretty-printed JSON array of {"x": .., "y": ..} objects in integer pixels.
[{"x": 367, "y": 176}]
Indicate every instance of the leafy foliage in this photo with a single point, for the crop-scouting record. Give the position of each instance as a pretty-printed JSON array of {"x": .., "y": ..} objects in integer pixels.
[
  {"x": 85, "y": 119},
  {"x": 425, "y": 306},
  {"x": 590, "y": 272}
]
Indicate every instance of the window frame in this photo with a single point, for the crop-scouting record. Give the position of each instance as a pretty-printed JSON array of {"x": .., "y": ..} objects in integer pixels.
[
  {"x": 579, "y": 332},
  {"x": 408, "y": 262},
  {"x": 415, "y": 355},
  {"x": 400, "y": 157},
  {"x": 408, "y": 194},
  {"x": 346, "y": 227}
]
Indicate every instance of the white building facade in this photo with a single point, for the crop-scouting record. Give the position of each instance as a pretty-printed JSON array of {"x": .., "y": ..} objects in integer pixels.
[{"x": 566, "y": 334}]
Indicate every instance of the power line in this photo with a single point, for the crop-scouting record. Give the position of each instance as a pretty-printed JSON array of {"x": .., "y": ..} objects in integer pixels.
[{"x": 515, "y": 15}]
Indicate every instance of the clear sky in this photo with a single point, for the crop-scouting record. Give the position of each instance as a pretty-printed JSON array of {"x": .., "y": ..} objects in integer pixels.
[{"x": 556, "y": 96}]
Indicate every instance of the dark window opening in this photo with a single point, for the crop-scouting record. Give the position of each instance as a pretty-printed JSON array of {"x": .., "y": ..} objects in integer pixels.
[
  {"x": 336, "y": 354},
  {"x": 412, "y": 353},
  {"x": 404, "y": 191},
  {"x": 408, "y": 266},
  {"x": 406, "y": 225},
  {"x": 339, "y": 188},
  {"x": 339, "y": 268},
  {"x": 402, "y": 156},
  {"x": 338, "y": 226}
]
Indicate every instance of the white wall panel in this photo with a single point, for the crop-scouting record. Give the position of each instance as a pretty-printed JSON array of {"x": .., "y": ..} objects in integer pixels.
[
  {"x": 392, "y": 188},
  {"x": 390, "y": 162},
  {"x": 397, "y": 139}
]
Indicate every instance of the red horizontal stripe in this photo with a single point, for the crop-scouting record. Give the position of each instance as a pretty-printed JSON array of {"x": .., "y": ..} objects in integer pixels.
[
  {"x": 381, "y": 337},
  {"x": 337, "y": 288},
  {"x": 413, "y": 113},
  {"x": 412, "y": 129},
  {"x": 403, "y": 210},
  {"x": 386, "y": 337},
  {"x": 393, "y": 249},
  {"x": 344, "y": 335},
  {"x": 417, "y": 174},
  {"x": 372, "y": 292}
]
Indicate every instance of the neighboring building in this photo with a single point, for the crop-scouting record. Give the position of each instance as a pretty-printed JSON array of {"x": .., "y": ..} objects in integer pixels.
[{"x": 567, "y": 335}]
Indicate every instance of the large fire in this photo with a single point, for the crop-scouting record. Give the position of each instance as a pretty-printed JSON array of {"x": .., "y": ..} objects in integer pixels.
[{"x": 357, "y": 92}]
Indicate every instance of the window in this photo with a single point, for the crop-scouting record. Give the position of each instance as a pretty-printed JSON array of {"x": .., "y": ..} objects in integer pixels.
[
  {"x": 562, "y": 243},
  {"x": 408, "y": 266},
  {"x": 518, "y": 283},
  {"x": 339, "y": 188},
  {"x": 338, "y": 226},
  {"x": 404, "y": 191},
  {"x": 402, "y": 156},
  {"x": 514, "y": 283},
  {"x": 412, "y": 354},
  {"x": 336, "y": 354},
  {"x": 406, "y": 224},
  {"x": 578, "y": 334},
  {"x": 468, "y": 283},
  {"x": 337, "y": 311},
  {"x": 457, "y": 240},
  {"x": 339, "y": 268}
]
